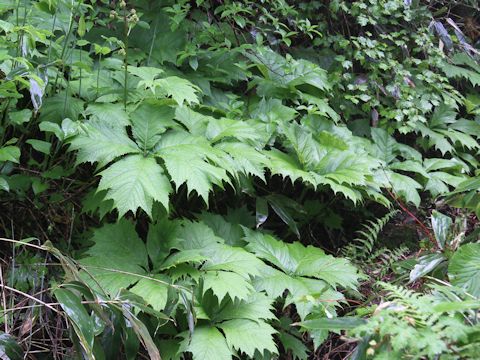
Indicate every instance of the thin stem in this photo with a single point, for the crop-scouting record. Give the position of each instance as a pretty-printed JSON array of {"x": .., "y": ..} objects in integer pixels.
[
  {"x": 125, "y": 59},
  {"x": 30, "y": 297},
  {"x": 4, "y": 300}
]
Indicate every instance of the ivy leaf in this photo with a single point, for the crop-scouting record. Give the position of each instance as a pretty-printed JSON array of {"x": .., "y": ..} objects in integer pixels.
[
  {"x": 249, "y": 336},
  {"x": 135, "y": 182},
  {"x": 101, "y": 142},
  {"x": 207, "y": 343}
]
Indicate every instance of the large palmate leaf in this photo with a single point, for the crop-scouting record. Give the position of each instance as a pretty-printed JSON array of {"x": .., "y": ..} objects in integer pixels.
[
  {"x": 249, "y": 336},
  {"x": 224, "y": 257},
  {"x": 245, "y": 158},
  {"x": 286, "y": 165},
  {"x": 464, "y": 268},
  {"x": 224, "y": 283},
  {"x": 135, "y": 182},
  {"x": 179, "y": 89},
  {"x": 101, "y": 142},
  {"x": 219, "y": 129},
  {"x": 117, "y": 255},
  {"x": 384, "y": 145},
  {"x": 111, "y": 114},
  {"x": 257, "y": 307},
  {"x": 154, "y": 291},
  {"x": 187, "y": 161},
  {"x": 149, "y": 121},
  {"x": 297, "y": 260},
  {"x": 207, "y": 343}
]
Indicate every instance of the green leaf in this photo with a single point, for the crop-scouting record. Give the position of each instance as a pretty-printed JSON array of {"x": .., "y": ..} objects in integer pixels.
[
  {"x": 197, "y": 236},
  {"x": 188, "y": 163},
  {"x": 117, "y": 250},
  {"x": 9, "y": 348},
  {"x": 149, "y": 121},
  {"x": 287, "y": 166},
  {"x": 219, "y": 129},
  {"x": 406, "y": 187},
  {"x": 154, "y": 292},
  {"x": 249, "y": 336},
  {"x": 296, "y": 259},
  {"x": 4, "y": 184},
  {"x": 274, "y": 282},
  {"x": 425, "y": 265},
  {"x": 10, "y": 153},
  {"x": 81, "y": 321},
  {"x": 40, "y": 146},
  {"x": 111, "y": 114},
  {"x": 142, "y": 333},
  {"x": 135, "y": 182},
  {"x": 385, "y": 145},
  {"x": 207, "y": 343},
  {"x": 464, "y": 268},
  {"x": 161, "y": 239},
  {"x": 257, "y": 306},
  {"x": 101, "y": 142},
  {"x": 441, "y": 225},
  {"x": 147, "y": 74},
  {"x": 224, "y": 283},
  {"x": 179, "y": 89},
  {"x": 185, "y": 256},
  {"x": 195, "y": 122},
  {"x": 281, "y": 207},
  {"x": 245, "y": 158},
  {"x": 294, "y": 345},
  {"x": 20, "y": 117},
  {"x": 334, "y": 324},
  {"x": 335, "y": 271},
  {"x": 58, "y": 107},
  {"x": 228, "y": 258}
]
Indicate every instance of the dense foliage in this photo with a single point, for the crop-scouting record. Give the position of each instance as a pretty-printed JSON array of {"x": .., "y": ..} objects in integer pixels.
[{"x": 240, "y": 179}]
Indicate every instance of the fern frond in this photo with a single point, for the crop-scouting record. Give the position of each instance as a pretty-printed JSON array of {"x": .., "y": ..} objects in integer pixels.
[
  {"x": 361, "y": 248},
  {"x": 387, "y": 257}
]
